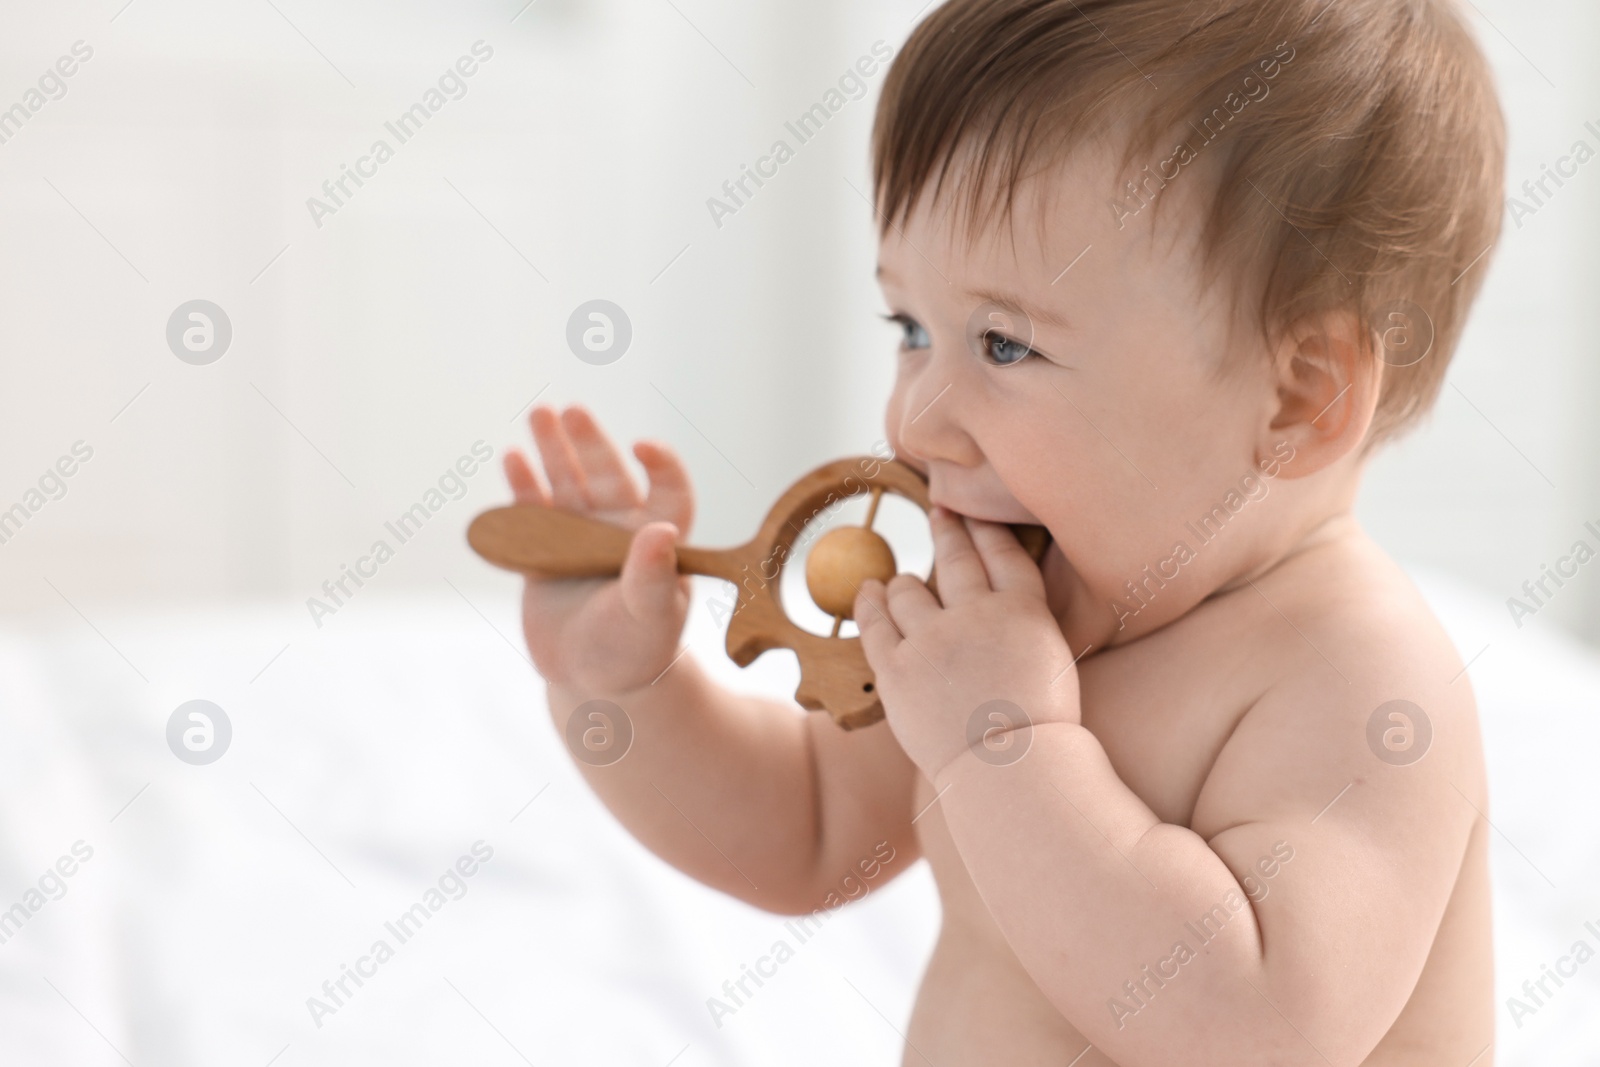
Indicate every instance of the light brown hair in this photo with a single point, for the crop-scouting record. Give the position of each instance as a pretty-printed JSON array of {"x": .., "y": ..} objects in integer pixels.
[{"x": 1364, "y": 169}]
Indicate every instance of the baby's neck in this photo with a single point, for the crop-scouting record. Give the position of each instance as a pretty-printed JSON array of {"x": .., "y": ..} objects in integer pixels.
[
  {"x": 1090, "y": 627},
  {"x": 1336, "y": 527}
]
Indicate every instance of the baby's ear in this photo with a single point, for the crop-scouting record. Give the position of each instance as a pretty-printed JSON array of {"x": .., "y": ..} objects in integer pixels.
[{"x": 1327, "y": 380}]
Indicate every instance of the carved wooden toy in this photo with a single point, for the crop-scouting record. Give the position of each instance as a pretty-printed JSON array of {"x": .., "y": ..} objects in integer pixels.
[{"x": 834, "y": 675}]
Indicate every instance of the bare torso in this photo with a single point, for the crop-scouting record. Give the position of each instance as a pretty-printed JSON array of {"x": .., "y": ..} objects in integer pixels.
[{"x": 1163, "y": 708}]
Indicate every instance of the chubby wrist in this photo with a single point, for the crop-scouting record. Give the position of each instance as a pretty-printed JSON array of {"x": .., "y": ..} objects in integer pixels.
[
  {"x": 970, "y": 761},
  {"x": 674, "y": 685}
]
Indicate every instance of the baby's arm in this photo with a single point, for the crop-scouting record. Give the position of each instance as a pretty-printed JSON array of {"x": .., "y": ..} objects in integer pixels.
[
  {"x": 1090, "y": 887},
  {"x": 750, "y": 795},
  {"x": 1138, "y": 930}
]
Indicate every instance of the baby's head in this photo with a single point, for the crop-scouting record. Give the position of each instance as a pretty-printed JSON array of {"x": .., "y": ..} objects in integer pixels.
[{"x": 1167, "y": 272}]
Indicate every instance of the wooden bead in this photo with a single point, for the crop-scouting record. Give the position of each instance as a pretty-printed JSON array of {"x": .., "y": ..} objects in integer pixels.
[{"x": 840, "y": 561}]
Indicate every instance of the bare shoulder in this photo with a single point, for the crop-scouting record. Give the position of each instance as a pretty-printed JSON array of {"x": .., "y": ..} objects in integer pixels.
[
  {"x": 1346, "y": 796},
  {"x": 1359, "y": 760},
  {"x": 1361, "y": 689}
]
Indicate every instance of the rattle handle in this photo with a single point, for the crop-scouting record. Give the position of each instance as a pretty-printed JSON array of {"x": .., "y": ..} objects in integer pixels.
[{"x": 553, "y": 543}]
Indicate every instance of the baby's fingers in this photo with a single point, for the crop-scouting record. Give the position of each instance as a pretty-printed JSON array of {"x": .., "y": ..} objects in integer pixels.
[
  {"x": 610, "y": 486},
  {"x": 561, "y": 466},
  {"x": 524, "y": 481},
  {"x": 650, "y": 588},
  {"x": 879, "y": 635},
  {"x": 671, "y": 497}
]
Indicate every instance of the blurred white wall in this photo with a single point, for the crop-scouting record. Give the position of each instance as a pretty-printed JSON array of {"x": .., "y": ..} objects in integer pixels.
[
  {"x": 1506, "y": 472},
  {"x": 370, "y": 353}
]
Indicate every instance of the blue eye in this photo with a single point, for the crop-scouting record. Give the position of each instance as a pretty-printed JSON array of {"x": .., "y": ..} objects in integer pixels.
[
  {"x": 914, "y": 336},
  {"x": 1001, "y": 351}
]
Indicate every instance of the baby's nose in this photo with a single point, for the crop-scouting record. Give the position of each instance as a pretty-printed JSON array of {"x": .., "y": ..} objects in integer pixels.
[{"x": 930, "y": 432}]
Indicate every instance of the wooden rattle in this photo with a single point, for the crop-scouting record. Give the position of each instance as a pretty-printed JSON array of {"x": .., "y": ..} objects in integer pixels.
[{"x": 834, "y": 675}]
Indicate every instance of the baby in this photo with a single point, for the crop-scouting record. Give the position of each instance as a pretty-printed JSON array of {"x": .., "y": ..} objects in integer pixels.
[{"x": 1205, "y": 785}]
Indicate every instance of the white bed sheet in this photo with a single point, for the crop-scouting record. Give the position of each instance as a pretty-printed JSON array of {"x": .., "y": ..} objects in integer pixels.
[{"x": 373, "y": 753}]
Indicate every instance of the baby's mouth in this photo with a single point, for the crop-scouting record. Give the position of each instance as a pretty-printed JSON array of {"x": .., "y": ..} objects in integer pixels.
[
  {"x": 1014, "y": 515},
  {"x": 976, "y": 497},
  {"x": 1033, "y": 535}
]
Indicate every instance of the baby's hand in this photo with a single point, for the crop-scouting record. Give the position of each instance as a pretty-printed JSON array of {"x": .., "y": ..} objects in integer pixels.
[
  {"x": 992, "y": 639},
  {"x": 606, "y": 636}
]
